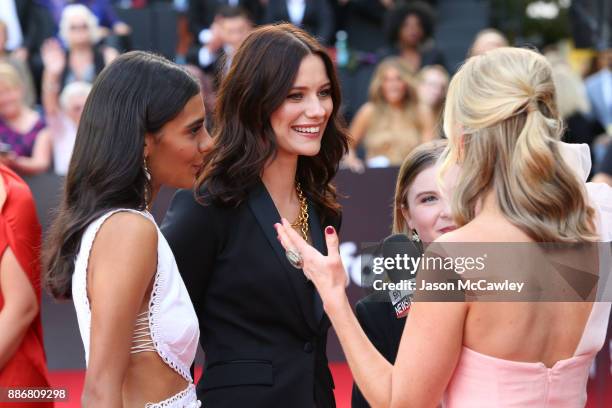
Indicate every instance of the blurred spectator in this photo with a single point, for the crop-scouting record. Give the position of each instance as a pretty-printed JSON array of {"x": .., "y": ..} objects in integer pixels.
[
  {"x": 599, "y": 91},
  {"x": 314, "y": 16},
  {"x": 604, "y": 174},
  {"x": 62, "y": 111},
  {"x": 28, "y": 24},
  {"x": 25, "y": 144},
  {"x": 18, "y": 64},
  {"x": 364, "y": 21},
  {"x": 487, "y": 40},
  {"x": 202, "y": 14},
  {"x": 232, "y": 25},
  {"x": 411, "y": 28},
  {"x": 572, "y": 101},
  {"x": 84, "y": 60},
  {"x": 388, "y": 123},
  {"x": 22, "y": 353},
  {"x": 432, "y": 86},
  {"x": 102, "y": 9}
]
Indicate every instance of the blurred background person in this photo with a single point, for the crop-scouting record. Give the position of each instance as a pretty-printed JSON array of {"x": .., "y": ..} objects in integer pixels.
[
  {"x": 25, "y": 141},
  {"x": 85, "y": 59},
  {"x": 314, "y": 16},
  {"x": 420, "y": 213},
  {"x": 22, "y": 354},
  {"x": 432, "y": 85},
  {"x": 232, "y": 25},
  {"x": 572, "y": 102},
  {"x": 486, "y": 40},
  {"x": 17, "y": 63},
  {"x": 388, "y": 124},
  {"x": 604, "y": 173},
  {"x": 410, "y": 35},
  {"x": 202, "y": 14},
  {"x": 62, "y": 110}
]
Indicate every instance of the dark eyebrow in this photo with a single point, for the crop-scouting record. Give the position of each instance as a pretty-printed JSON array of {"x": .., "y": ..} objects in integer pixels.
[
  {"x": 199, "y": 121},
  {"x": 299, "y": 88}
]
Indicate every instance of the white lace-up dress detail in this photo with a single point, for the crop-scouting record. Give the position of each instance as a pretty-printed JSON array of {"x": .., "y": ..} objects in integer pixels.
[{"x": 169, "y": 327}]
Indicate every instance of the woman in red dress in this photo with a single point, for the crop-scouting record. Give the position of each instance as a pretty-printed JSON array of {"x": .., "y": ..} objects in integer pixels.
[{"x": 22, "y": 356}]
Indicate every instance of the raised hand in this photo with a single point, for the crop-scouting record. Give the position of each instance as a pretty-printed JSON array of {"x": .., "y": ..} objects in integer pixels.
[
  {"x": 326, "y": 272},
  {"x": 53, "y": 56}
]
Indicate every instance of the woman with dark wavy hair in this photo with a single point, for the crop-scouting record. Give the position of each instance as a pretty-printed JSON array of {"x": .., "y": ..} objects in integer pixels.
[
  {"x": 142, "y": 127},
  {"x": 277, "y": 145}
]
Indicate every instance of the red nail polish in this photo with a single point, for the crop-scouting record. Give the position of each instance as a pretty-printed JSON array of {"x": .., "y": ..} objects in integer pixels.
[{"x": 329, "y": 230}]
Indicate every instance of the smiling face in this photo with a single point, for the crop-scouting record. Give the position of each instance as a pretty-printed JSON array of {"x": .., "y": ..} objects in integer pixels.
[
  {"x": 393, "y": 87},
  {"x": 300, "y": 121},
  {"x": 174, "y": 154},
  {"x": 428, "y": 210}
]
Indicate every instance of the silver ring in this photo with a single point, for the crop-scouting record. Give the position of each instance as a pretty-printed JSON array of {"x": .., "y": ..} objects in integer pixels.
[{"x": 294, "y": 258}]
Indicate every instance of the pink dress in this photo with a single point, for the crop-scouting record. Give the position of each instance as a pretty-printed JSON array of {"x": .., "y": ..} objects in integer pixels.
[{"x": 481, "y": 381}]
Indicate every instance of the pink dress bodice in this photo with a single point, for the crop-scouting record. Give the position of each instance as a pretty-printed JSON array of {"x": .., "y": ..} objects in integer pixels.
[{"x": 483, "y": 381}]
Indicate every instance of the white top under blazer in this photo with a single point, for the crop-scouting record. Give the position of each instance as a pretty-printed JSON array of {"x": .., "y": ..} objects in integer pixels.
[{"x": 172, "y": 321}]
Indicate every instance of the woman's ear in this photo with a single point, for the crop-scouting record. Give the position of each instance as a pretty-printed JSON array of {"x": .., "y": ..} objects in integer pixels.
[{"x": 148, "y": 144}]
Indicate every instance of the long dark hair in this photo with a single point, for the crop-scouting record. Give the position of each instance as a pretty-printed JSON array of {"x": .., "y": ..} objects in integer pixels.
[
  {"x": 261, "y": 76},
  {"x": 137, "y": 94}
]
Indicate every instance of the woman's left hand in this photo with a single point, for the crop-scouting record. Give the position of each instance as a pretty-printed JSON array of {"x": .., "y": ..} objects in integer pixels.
[{"x": 326, "y": 272}]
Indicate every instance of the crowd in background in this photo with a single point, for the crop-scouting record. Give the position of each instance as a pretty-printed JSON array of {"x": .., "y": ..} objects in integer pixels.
[{"x": 52, "y": 50}]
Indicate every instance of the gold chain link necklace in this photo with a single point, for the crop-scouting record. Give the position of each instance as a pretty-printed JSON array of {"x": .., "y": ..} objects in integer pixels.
[{"x": 302, "y": 220}]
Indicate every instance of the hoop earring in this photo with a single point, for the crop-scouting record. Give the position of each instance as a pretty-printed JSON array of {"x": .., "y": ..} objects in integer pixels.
[{"x": 415, "y": 236}]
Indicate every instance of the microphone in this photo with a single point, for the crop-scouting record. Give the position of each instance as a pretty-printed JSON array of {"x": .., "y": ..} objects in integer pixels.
[{"x": 402, "y": 250}]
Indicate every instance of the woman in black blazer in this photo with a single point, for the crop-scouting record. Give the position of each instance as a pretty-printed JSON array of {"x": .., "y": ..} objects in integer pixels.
[{"x": 277, "y": 146}]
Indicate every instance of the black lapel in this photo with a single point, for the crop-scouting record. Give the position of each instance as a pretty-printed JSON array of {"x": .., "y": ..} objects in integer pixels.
[
  {"x": 316, "y": 233},
  {"x": 267, "y": 215}
]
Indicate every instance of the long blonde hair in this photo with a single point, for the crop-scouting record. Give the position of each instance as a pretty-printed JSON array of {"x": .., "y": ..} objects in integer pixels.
[
  {"x": 504, "y": 100},
  {"x": 377, "y": 98}
]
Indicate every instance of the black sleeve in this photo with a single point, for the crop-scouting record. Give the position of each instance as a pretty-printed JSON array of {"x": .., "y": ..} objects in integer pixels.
[
  {"x": 325, "y": 29},
  {"x": 191, "y": 231},
  {"x": 269, "y": 13},
  {"x": 606, "y": 164},
  {"x": 197, "y": 18},
  {"x": 368, "y": 324}
]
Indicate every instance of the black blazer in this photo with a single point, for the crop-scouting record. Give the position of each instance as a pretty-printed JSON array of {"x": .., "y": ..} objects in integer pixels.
[
  {"x": 262, "y": 325},
  {"x": 318, "y": 19},
  {"x": 383, "y": 329}
]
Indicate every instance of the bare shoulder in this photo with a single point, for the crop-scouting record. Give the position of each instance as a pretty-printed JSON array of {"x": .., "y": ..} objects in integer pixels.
[
  {"x": 129, "y": 231},
  {"x": 366, "y": 111}
]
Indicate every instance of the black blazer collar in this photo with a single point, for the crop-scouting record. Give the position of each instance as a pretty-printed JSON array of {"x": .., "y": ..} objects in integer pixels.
[{"x": 264, "y": 210}]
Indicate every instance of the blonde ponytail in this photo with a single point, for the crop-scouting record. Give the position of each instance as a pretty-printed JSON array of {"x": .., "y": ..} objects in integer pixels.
[{"x": 504, "y": 101}]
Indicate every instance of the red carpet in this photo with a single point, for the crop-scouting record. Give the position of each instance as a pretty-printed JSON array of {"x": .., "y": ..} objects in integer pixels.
[{"x": 73, "y": 382}]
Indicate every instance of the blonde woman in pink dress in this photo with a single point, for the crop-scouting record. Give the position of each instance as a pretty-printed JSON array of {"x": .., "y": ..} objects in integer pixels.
[{"x": 514, "y": 184}]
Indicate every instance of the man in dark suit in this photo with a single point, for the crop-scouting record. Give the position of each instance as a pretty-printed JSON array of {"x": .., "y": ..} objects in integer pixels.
[
  {"x": 202, "y": 14},
  {"x": 262, "y": 324},
  {"x": 232, "y": 27},
  {"x": 314, "y": 16}
]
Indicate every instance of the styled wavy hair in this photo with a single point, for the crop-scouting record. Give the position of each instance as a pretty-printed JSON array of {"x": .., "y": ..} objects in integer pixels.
[
  {"x": 504, "y": 101},
  {"x": 260, "y": 78},
  {"x": 136, "y": 94}
]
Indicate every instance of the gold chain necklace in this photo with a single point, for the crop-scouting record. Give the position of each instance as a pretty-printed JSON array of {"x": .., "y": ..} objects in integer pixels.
[{"x": 302, "y": 220}]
